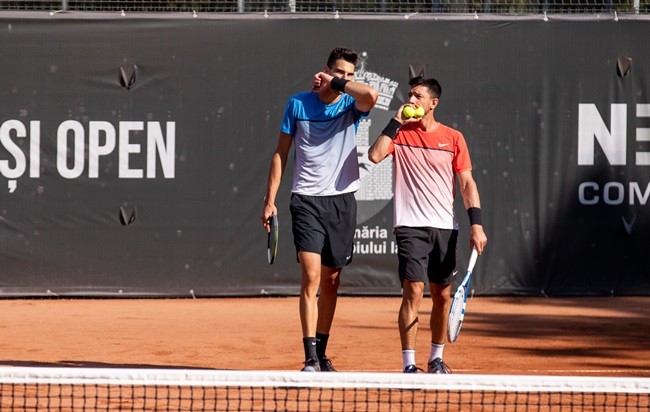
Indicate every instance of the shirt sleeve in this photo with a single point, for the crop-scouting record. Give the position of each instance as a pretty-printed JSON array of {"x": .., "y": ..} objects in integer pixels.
[
  {"x": 288, "y": 120},
  {"x": 391, "y": 147},
  {"x": 462, "y": 161}
]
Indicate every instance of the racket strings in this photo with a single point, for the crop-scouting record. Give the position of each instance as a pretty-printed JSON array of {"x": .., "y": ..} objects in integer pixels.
[{"x": 456, "y": 313}]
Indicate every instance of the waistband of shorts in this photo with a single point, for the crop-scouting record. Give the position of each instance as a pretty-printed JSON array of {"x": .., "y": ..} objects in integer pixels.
[{"x": 337, "y": 196}]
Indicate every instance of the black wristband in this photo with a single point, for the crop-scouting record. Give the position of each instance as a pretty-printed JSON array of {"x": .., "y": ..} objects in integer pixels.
[
  {"x": 338, "y": 84},
  {"x": 392, "y": 128},
  {"x": 474, "y": 214}
]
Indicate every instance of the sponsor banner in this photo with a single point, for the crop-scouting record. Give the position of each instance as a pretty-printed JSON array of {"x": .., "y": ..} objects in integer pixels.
[{"x": 134, "y": 150}]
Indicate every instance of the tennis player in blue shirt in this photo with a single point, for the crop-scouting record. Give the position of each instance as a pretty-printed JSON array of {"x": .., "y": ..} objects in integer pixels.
[{"x": 322, "y": 126}]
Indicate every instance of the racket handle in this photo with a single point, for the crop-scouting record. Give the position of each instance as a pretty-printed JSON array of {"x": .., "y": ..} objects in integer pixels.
[{"x": 472, "y": 259}]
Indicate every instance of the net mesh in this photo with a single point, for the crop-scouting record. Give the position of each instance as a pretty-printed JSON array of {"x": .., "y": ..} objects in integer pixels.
[{"x": 63, "y": 389}]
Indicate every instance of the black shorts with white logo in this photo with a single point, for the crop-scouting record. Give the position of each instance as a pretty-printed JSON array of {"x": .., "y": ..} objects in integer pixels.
[
  {"x": 426, "y": 253},
  {"x": 325, "y": 225}
]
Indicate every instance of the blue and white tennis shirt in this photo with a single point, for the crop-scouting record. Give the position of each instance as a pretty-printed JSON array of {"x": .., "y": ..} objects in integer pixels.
[{"x": 324, "y": 137}]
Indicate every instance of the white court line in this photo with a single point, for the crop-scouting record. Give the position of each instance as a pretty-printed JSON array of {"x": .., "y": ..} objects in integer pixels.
[
  {"x": 564, "y": 371},
  {"x": 588, "y": 370},
  {"x": 537, "y": 371}
]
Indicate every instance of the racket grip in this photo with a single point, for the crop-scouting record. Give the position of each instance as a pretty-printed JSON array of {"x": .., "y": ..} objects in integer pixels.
[{"x": 472, "y": 259}]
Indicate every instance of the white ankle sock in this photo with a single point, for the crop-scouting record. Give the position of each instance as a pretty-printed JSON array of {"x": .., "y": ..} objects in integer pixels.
[
  {"x": 408, "y": 357},
  {"x": 436, "y": 351}
]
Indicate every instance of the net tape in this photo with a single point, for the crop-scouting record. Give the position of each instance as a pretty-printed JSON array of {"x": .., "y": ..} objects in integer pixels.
[
  {"x": 211, "y": 377},
  {"x": 187, "y": 389}
]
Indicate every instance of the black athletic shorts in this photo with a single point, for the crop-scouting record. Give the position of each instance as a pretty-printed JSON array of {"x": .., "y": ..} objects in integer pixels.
[
  {"x": 426, "y": 253},
  {"x": 325, "y": 225}
]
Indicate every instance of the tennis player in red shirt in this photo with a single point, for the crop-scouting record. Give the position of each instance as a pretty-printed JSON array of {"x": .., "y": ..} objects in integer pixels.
[{"x": 428, "y": 157}]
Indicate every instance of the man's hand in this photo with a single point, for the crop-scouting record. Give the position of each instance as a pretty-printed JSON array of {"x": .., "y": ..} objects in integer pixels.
[
  {"x": 269, "y": 210},
  {"x": 321, "y": 79},
  {"x": 477, "y": 238}
]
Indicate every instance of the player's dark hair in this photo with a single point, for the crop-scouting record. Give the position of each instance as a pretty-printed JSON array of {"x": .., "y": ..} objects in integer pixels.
[
  {"x": 430, "y": 83},
  {"x": 338, "y": 53}
]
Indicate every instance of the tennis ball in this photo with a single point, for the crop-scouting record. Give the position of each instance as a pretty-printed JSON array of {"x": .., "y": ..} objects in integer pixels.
[
  {"x": 408, "y": 112},
  {"x": 419, "y": 112}
]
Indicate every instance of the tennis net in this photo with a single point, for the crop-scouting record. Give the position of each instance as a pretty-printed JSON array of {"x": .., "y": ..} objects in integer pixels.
[{"x": 108, "y": 389}]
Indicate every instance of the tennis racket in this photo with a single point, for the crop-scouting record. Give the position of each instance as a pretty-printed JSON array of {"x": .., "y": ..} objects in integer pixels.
[
  {"x": 272, "y": 240},
  {"x": 457, "y": 311}
]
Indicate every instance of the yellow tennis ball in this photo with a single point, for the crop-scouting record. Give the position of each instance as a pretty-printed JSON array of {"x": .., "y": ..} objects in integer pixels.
[
  {"x": 419, "y": 112},
  {"x": 408, "y": 112}
]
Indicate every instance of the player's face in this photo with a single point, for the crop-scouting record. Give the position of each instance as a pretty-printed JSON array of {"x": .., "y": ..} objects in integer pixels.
[
  {"x": 342, "y": 69},
  {"x": 420, "y": 96}
]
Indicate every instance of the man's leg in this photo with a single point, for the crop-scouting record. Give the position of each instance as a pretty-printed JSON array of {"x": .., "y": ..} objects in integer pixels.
[
  {"x": 412, "y": 293},
  {"x": 310, "y": 280},
  {"x": 440, "y": 295},
  {"x": 329, "y": 288},
  {"x": 339, "y": 221}
]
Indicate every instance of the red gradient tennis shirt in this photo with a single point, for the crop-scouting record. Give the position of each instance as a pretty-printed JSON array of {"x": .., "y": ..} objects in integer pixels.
[{"x": 425, "y": 167}]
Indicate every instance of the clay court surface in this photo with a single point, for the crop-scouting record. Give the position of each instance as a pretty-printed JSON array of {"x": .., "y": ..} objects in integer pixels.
[{"x": 531, "y": 336}]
